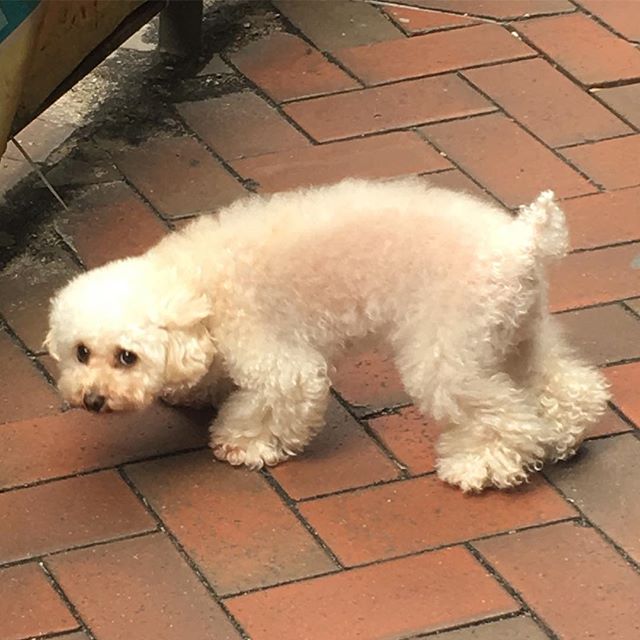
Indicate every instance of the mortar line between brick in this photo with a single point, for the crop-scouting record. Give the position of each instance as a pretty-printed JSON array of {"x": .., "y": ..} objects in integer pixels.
[
  {"x": 86, "y": 472},
  {"x": 635, "y": 566},
  {"x": 588, "y": 143},
  {"x": 623, "y": 417},
  {"x": 488, "y": 19},
  {"x": 402, "y": 469},
  {"x": 54, "y": 634},
  {"x": 595, "y": 305},
  {"x": 611, "y": 245},
  {"x": 163, "y": 528},
  {"x": 630, "y": 310},
  {"x": 511, "y": 590},
  {"x": 32, "y": 356},
  {"x": 428, "y": 30},
  {"x": 292, "y": 506},
  {"x": 67, "y": 601},
  {"x": 474, "y": 624},
  {"x": 535, "y": 136},
  {"x": 403, "y": 556}
]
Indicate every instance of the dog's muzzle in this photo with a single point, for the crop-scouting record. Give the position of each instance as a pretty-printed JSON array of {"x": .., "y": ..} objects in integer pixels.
[{"x": 93, "y": 402}]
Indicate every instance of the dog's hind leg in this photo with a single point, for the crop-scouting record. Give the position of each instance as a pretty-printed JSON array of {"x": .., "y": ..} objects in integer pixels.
[{"x": 280, "y": 404}]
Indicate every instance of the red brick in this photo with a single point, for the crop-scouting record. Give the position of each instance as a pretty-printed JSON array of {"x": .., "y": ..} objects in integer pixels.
[
  {"x": 286, "y": 67},
  {"x": 140, "y": 589},
  {"x": 413, "y": 20},
  {"x": 54, "y": 446},
  {"x": 624, "y": 100},
  {"x": 432, "y": 53},
  {"x": 369, "y": 379},
  {"x": 603, "y": 218},
  {"x": 179, "y": 176},
  {"x": 611, "y": 163},
  {"x": 218, "y": 121},
  {"x": 392, "y": 106},
  {"x": 40, "y": 138},
  {"x": 608, "y": 425},
  {"x": 534, "y": 93},
  {"x": 520, "y": 628},
  {"x": 501, "y": 9},
  {"x": 422, "y": 513},
  {"x": 218, "y": 512},
  {"x": 390, "y": 600},
  {"x": 347, "y": 24},
  {"x": 621, "y": 15},
  {"x": 603, "y": 483},
  {"x": 68, "y": 513},
  {"x": 603, "y": 334},
  {"x": 26, "y": 287},
  {"x": 108, "y": 222},
  {"x": 384, "y": 156},
  {"x": 23, "y": 390},
  {"x": 571, "y": 578},
  {"x": 410, "y": 436},
  {"x": 625, "y": 381},
  {"x": 30, "y": 604},
  {"x": 342, "y": 456},
  {"x": 456, "y": 180},
  {"x": 589, "y": 52},
  {"x": 481, "y": 146},
  {"x": 594, "y": 277}
]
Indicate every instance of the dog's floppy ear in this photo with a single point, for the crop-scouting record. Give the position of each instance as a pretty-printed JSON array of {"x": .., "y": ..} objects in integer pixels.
[{"x": 189, "y": 347}]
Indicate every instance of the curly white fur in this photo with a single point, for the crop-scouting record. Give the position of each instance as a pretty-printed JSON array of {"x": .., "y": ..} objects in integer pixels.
[{"x": 267, "y": 292}]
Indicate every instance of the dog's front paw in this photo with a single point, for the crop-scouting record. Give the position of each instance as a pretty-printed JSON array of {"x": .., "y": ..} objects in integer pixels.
[{"x": 253, "y": 454}]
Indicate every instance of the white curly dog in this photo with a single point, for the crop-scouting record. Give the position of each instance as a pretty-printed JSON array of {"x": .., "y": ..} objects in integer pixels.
[{"x": 268, "y": 292}]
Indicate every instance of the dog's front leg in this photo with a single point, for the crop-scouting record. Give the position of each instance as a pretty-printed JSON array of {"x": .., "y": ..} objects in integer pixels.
[{"x": 279, "y": 406}]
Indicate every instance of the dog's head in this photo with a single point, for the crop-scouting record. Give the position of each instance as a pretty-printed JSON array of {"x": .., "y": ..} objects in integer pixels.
[{"x": 126, "y": 332}]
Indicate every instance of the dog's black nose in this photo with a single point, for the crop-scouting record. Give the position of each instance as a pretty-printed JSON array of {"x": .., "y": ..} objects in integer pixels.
[{"x": 94, "y": 402}]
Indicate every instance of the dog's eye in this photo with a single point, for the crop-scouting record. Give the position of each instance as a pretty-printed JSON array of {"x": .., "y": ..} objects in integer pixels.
[
  {"x": 127, "y": 358},
  {"x": 82, "y": 354}
]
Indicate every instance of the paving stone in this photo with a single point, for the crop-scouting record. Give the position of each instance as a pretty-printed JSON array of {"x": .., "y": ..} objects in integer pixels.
[
  {"x": 603, "y": 334},
  {"x": 520, "y": 628},
  {"x": 286, "y": 67},
  {"x": 217, "y": 122},
  {"x": 593, "y": 277},
  {"x": 432, "y": 53},
  {"x": 11, "y": 173},
  {"x": 394, "y": 106},
  {"x": 501, "y": 9},
  {"x": 160, "y": 165},
  {"x": 389, "y": 600},
  {"x": 148, "y": 589},
  {"x": 341, "y": 457},
  {"x": 53, "y": 446},
  {"x": 624, "y": 381},
  {"x": 369, "y": 380},
  {"x": 384, "y": 156},
  {"x": 456, "y": 180},
  {"x": 108, "y": 222},
  {"x": 26, "y": 288},
  {"x": 410, "y": 436},
  {"x": 571, "y": 578},
  {"x": 588, "y": 51},
  {"x": 610, "y": 163},
  {"x": 603, "y": 218},
  {"x": 624, "y": 100},
  {"x": 24, "y": 392},
  {"x": 345, "y": 24},
  {"x": 86, "y": 164},
  {"x": 211, "y": 508},
  {"x": 621, "y": 15},
  {"x": 413, "y": 20},
  {"x": 414, "y": 515},
  {"x": 216, "y": 66},
  {"x": 30, "y": 604},
  {"x": 534, "y": 93},
  {"x": 68, "y": 513},
  {"x": 480, "y": 145},
  {"x": 603, "y": 483},
  {"x": 610, "y": 424},
  {"x": 39, "y": 139}
]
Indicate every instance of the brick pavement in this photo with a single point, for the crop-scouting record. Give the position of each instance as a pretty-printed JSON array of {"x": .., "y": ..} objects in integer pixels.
[{"x": 122, "y": 526}]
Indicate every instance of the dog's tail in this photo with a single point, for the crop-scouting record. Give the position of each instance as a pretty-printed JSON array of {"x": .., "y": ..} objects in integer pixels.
[{"x": 547, "y": 224}]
